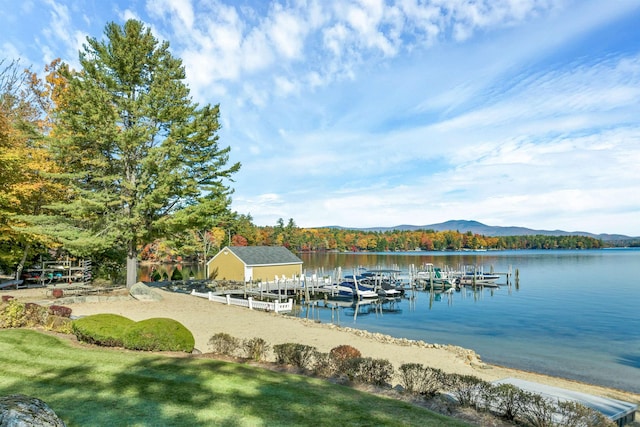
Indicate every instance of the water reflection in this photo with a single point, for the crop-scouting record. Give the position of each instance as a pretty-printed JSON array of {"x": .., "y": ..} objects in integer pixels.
[
  {"x": 414, "y": 302},
  {"x": 398, "y": 260},
  {"x": 335, "y": 310}
]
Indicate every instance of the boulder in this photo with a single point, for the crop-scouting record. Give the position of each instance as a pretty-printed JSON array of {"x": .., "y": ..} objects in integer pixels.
[
  {"x": 142, "y": 292},
  {"x": 21, "y": 411}
]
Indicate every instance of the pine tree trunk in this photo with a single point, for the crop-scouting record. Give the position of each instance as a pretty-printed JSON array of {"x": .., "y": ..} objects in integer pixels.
[{"x": 132, "y": 267}]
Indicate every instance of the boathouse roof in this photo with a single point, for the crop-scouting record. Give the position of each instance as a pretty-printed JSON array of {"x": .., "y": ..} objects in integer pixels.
[{"x": 264, "y": 255}]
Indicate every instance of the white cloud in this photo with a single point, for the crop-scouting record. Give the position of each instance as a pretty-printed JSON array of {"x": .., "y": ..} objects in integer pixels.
[
  {"x": 287, "y": 32},
  {"x": 128, "y": 14},
  {"x": 257, "y": 55},
  {"x": 285, "y": 86},
  {"x": 182, "y": 9},
  {"x": 11, "y": 52}
]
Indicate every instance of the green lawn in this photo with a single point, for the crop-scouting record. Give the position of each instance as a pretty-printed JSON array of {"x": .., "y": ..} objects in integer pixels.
[{"x": 95, "y": 387}]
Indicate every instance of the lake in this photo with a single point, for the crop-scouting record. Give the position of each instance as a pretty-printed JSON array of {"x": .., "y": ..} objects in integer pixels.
[{"x": 573, "y": 314}]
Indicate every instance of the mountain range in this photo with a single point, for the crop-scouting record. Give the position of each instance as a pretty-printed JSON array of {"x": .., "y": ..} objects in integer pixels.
[{"x": 476, "y": 227}]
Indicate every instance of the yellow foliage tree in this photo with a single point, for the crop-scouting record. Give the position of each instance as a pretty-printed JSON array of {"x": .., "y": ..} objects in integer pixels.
[{"x": 25, "y": 165}]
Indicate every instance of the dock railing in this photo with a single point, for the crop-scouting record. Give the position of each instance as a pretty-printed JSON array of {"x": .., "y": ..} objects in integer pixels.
[{"x": 250, "y": 303}]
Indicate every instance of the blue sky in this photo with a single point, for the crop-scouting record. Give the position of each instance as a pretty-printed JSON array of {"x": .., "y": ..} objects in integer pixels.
[{"x": 380, "y": 113}]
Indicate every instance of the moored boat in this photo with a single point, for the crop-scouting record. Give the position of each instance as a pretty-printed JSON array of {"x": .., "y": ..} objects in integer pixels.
[
  {"x": 385, "y": 282},
  {"x": 478, "y": 278},
  {"x": 351, "y": 290},
  {"x": 430, "y": 275}
]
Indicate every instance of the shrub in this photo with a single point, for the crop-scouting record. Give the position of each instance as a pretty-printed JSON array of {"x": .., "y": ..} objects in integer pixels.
[
  {"x": 34, "y": 314},
  {"x": 323, "y": 365},
  {"x": 574, "y": 414},
  {"x": 13, "y": 314},
  {"x": 102, "y": 329},
  {"x": 298, "y": 355},
  {"x": 369, "y": 371},
  {"x": 506, "y": 400},
  {"x": 59, "y": 310},
  {"x": 59, "y": 324},
  {"x": 411, "y": 375},
  {"x": 16, "y": 314},
  {"x": 537, "y": 411},
  {"x": 418, "y": 379},
  {"x": 342, "y": 354},
  {"x": 467, "y": 389},
  {"x": 159, "y": 334},
  {"x": 376, "y": 371},
  {"x": 223, "y": 343},
  {"x": 255, "y": 348}
]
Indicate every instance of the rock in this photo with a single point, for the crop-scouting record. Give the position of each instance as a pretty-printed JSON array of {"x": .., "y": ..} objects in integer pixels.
[
  {"x": 21, "y": 411},
  {"x": 142, "y": 292}
]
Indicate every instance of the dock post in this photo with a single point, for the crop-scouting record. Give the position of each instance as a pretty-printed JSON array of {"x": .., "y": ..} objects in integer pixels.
[{"x": 250, "y": 301}]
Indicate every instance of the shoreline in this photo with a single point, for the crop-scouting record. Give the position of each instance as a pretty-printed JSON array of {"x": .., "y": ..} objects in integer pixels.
[{"x": 205, "y": 318}]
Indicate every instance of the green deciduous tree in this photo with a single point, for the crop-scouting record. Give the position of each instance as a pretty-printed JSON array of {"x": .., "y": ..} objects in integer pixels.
[{"x": 142, "y": 158}]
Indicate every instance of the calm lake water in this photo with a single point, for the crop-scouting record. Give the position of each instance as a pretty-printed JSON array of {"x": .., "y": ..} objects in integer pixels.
[{"x": 574, "y": 314}]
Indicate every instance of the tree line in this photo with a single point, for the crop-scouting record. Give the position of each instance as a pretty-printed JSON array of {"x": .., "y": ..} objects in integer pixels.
[{"x": 242, "y": 232}]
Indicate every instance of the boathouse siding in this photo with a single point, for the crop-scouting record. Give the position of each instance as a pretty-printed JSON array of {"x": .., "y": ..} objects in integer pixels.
[{"x": 254, "y": 263}]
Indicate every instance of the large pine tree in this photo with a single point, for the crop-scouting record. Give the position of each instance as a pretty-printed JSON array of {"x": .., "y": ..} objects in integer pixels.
[{"x": 142, "y": 158}]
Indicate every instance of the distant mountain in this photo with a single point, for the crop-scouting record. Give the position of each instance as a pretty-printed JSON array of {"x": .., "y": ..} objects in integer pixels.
[{"x": 476, "y": 227}]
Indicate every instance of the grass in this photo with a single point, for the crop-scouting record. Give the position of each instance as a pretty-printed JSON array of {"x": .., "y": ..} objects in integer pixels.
[{"x": 99, "y": 387}]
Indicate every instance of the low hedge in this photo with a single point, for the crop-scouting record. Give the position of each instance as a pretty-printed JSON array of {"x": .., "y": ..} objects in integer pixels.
[
  {"x": 367, "y": 370},
  {"x": 112, "y": 330},
  {"x": 159, "y": 334},
  {"x": 423, "y": 380},
  {"x": 223, "y": 343},
  {"x": 102, "y": 329},
  {"x": 298, "y": 355}
]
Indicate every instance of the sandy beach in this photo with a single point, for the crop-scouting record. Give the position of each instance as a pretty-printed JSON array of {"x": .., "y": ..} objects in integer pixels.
[{"x": 204, "y": 319}]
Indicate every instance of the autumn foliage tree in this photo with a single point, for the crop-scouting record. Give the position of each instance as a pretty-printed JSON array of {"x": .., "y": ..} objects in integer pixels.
[{"x": 26, "y": 166}]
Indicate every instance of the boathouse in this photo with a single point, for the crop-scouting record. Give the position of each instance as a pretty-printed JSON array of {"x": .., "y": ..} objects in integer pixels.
[{"x": 254, "y": 263}]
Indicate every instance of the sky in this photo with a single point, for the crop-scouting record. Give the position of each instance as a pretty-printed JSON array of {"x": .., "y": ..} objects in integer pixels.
[{"x": 377, "y": 113}]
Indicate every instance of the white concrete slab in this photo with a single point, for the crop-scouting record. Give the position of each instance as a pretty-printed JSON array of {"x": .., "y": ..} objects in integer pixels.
[{"x": 612, "y": 408}]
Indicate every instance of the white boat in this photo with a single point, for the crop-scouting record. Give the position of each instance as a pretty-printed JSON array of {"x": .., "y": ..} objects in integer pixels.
[
  {"x": 383, "y": 281},
  {"x": 478, "y": 278},
  {"x": 434, "y": 275},
  {"x": 350, "y": 290}
]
